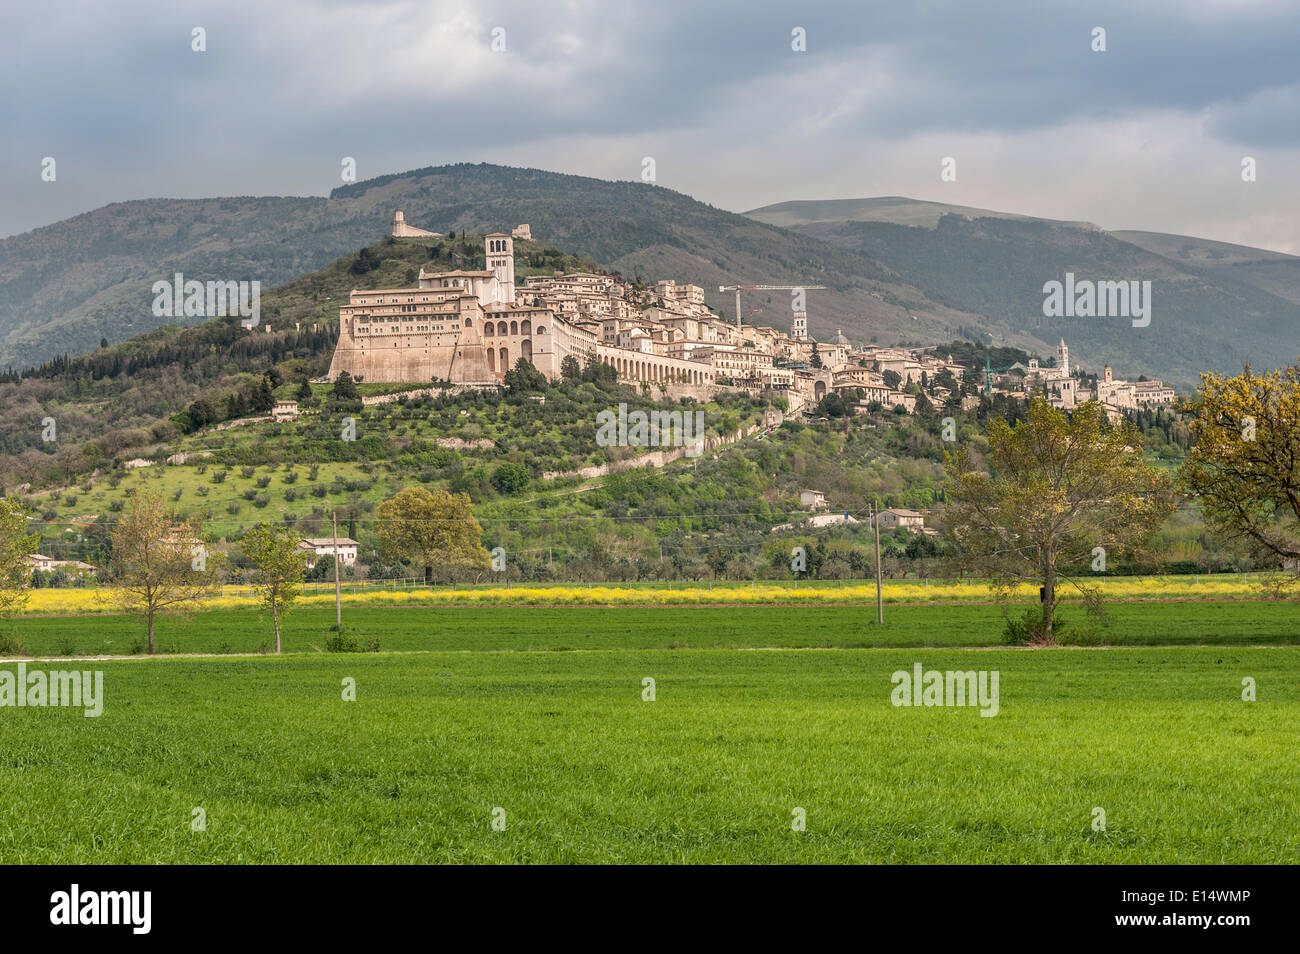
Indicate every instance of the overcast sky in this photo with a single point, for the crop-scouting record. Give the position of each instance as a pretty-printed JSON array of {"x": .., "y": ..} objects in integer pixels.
[{"x": 1149, "y": 134}]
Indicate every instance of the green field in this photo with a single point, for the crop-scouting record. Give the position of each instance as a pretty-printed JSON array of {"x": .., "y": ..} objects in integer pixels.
[
  {"x": 711, "y": 771},
  {"x": 624, "y": 627}
]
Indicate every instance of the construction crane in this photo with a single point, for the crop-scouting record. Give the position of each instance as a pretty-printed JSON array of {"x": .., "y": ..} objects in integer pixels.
[
  {"x": 739, "y": 288},
  {"x": 989, "y": 372}
]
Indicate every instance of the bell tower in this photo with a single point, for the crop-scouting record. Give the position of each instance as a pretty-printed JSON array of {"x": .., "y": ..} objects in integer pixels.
[
  {"x": 500, "y": 249},
  {"x": 1063, "y": 358}
]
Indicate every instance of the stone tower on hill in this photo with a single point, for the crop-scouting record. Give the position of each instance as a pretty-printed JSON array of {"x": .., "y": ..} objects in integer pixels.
[{"x": 402, "y": 230}]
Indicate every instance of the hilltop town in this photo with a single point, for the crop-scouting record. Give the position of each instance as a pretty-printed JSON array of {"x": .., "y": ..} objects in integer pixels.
[{"x": 469, "y": 327}]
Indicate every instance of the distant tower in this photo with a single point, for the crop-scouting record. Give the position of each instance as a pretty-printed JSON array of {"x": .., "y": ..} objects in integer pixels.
[
  {"x": 1063, "y": 358},
  {"x": 799, "y": 329},
  {"x": 1106, "y": 374},
  {"x": 501, "y": 263},
  {"x": 402, "y": 230}
]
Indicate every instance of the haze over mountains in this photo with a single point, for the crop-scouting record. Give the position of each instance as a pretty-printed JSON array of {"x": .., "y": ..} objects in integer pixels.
[{"x": 896, "y": 270}]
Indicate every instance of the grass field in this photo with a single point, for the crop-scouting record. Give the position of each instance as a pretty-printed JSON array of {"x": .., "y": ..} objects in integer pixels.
[
  {"x": 702, "y": 627},
  {"x": 711, "y": 771}
]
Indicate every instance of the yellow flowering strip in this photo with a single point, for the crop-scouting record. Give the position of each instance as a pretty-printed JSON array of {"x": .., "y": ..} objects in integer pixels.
[{"x": 87, "y": 601}]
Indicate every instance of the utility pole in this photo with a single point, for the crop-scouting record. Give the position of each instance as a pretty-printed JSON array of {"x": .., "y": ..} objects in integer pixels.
[
  {"x": 875, "y": 522},
  {"x": 338, "y": 597}
]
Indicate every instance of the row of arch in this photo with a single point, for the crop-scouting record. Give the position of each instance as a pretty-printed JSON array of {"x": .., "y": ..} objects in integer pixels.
[
  {"x": 653, "y": 371},
  {"x": 491, "y": 329},
  {"x": 499, "y": 358}
]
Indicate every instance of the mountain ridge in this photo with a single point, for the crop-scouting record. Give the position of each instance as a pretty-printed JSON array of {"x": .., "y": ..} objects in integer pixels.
[{"x": 904, "y": 272}]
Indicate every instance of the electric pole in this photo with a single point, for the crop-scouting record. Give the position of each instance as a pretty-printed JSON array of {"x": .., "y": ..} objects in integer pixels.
[
  {"x": 338, "y": 598},
  {"x": 875, "y": 522}
]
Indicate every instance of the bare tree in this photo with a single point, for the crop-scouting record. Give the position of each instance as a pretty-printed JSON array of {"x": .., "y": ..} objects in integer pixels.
[{"x": 160, "y": 561}]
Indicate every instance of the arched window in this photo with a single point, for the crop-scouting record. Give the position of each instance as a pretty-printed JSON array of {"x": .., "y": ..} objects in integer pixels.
[
  {"x": 489, "y": 329},
  {"x": 526, "y": 346},
  {"x": 526, "y": 328},
  {"x": 514, "y": 327},
  {"x": 469, "y": 322},
  {"x": 541, "y": 329},
  {"x": 505, "y": 359}
]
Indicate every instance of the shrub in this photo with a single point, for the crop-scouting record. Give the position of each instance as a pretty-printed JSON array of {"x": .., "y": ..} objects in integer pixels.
[
  {"x": 510, "y": 478},
  {"x": 345, "y": 641},
  {"x": 342, "y": 641},
  {"x": 1027, "y": 630},
  {"x": 11, "y": 645}
]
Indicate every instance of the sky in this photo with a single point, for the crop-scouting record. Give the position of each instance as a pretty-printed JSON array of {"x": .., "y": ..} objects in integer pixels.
[{"x": 1149, "y": 133}]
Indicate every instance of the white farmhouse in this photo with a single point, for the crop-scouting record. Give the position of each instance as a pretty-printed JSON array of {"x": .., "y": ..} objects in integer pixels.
[{"x": 344, "y": 548}]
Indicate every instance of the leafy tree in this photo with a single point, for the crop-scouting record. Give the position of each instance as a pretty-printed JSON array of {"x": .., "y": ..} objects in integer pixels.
[
  {"x": 16, "y": 545},
  {"x": 524, "y": 376},
  {"x": 202, "y": 413},
  {"x": 511, "y": 477},
  {"x": 160, "y": 561},
  {"x": 345, "y": 389},
  {"x": 236, "y": 405},
  {"x": 262, "y": 399},
  {"x": 892, "y": 379},
  {"x": 366, "y": 261},
  {"x": 323, "y": 569},
  {"x": 431, "y": 529},
  {"x": 280, "y": 565},
  {"x": 304, "y": 394},
  {"x": 570, "y": 370},
  {"x": 817, "y": 359},
  {"x": 1245, "y": 462},
  {"x": 1057, "y": 488},
  {"x": 598, "y": 371}
]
